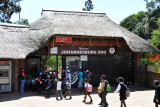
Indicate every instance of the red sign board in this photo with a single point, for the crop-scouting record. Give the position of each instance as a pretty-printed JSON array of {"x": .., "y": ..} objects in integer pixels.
[
  {"x": 64, "y": 39},
  {"x": 4, "y": 63}
]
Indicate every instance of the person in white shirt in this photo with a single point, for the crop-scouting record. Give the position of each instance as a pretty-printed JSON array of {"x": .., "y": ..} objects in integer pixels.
[
  {"x": 122, "y": 91},
  {"x": 59, "y": 91}
]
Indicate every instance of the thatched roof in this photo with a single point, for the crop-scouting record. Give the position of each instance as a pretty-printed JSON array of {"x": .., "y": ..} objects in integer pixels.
[{"x": 17, "y": 41}]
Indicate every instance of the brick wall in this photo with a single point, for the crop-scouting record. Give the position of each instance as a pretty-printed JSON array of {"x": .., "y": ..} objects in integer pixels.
[
  {"x": 147, "y": 78},
  {"x": 137, "y": 68},
  {"x": 19, "y": 63}
]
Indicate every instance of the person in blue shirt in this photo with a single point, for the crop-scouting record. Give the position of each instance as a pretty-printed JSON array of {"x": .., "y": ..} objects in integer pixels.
[
  {"x": 80, "y": 77},
  {"x": 88, "y": 76},
  {"x": 85, "y": 75}
]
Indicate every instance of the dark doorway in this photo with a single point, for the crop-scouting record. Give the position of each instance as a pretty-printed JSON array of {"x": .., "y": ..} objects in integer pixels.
[{"x": 32, "y": 66}]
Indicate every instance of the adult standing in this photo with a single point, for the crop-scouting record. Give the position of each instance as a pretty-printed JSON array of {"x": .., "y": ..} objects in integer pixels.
[
  {"x": 63, "y": 77},
  {"x": 85, "y": 75},
  {"x": 22, "y": 80},
  {"x": 102, "y": 91},
  {"x": 156, "y": 99},
  {"x": 80, "y": 83}
]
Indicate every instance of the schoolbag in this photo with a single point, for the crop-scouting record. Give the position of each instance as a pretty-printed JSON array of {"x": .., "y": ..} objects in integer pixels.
[
  {"x": 126, "y": 89},
  {"x": 107, "y": 86},
  {"x": 89, "y": 88}
]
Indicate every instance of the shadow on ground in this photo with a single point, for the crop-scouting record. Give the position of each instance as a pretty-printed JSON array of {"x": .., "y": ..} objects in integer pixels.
[{"x": 75, "y": 92}]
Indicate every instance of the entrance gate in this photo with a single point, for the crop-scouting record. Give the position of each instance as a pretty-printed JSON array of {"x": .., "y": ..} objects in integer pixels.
[{"x": 113, "y": 66}]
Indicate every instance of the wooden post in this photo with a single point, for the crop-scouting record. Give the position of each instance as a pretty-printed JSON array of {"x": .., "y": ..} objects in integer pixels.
[
  {"x": 57, "y": 66},
  {"x": 137, "y": 68}
]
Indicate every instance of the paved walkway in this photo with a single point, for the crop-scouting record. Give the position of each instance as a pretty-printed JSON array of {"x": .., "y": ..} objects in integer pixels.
[{"x": 140, "y": 97}]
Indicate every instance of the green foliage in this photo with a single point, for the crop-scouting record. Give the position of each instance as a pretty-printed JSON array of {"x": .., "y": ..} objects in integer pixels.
[
  {"x": 88, "y": 6},
  {"x": 51, "y": 62},
  {"x": 134, "y": 23},
  {"x": 155, "y": 39},
  {"x": 152, "y": 4},
  {"x": 7, "y": 8},
  {"x": 131, "y": 21},
  {"x": 144, "y": 56},
  {"x": 22, "y": 22},
  {"x": 142, "y": 23}
]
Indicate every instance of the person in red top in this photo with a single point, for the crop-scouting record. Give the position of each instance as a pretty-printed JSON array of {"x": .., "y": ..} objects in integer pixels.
[{"x": 22, "y": 80}]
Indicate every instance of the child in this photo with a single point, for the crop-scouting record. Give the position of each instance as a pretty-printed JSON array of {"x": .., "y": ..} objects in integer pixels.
[
  {"x": 99, "y": 94},
  {"x": 122, "y": 89},
  {"x": 157, "y": 93},
  {"x": 68, "y": 89},
  {"x": 102, "y": 91},
  {"x": 59, "y": 91},
  {"x": 48, "y": 88},
  {"x": 87, "y": 92}
]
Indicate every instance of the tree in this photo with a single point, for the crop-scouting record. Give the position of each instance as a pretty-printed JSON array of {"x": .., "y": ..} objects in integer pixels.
[
  {"x": 134, "y": 23},
  {"x": 131, "y": 21},
  {"x": 142, "y": 23},
  {"x": 7, "y": 8},
  {"x": 51, "y": 62},
  {"x": 88, "y": 6},
  {"x": 155, "y": 39},
  {"x": 22, "y": 22}
]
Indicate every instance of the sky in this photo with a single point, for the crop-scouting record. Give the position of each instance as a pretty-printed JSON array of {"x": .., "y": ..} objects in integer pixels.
[{"x": 116, "y": 10}]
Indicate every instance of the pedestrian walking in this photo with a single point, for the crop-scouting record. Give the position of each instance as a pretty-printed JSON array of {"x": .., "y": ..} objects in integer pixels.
[
  {"x": 22, "y": 77},
  {"x": 59, "y": 90},
  {"x": 156, "y": 99},
  {"x": 68, "y": 89},
  {"x": 88, "y": 75},
  {"x": 88, "y": 90},
  {"x": 102, "y": 90},
  {"x": 122, "y": 88},
  {"x": 99, "y": 94},
  {"x": 68, "y": 75},
  {"x": 80, "y": 83}
]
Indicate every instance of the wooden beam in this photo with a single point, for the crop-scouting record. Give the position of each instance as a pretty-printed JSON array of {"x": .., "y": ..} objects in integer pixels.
[
  {"x": 90, "y": 42},
  {"x": 117, "y": 43}
]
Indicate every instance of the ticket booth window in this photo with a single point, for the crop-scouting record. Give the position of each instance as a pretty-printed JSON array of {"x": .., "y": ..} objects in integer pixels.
[
  {"x": 4, "y": 73},
  {"x": 5, "y": 76}
]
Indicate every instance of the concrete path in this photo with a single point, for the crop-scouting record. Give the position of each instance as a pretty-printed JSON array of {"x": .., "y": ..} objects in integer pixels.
[{"x": 140, "y": 97}]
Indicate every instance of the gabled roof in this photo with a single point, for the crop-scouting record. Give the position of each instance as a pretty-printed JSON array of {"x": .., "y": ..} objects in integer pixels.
[{"x": 17, "y": 41}]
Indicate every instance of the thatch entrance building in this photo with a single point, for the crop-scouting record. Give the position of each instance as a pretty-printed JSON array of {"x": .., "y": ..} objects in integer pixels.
[{"x": 110, "y": 49}]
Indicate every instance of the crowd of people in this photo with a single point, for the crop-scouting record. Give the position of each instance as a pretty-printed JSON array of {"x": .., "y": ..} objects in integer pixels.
[
  {"x": 63, "y": 85},
  {"x": 43, "y": 82}
]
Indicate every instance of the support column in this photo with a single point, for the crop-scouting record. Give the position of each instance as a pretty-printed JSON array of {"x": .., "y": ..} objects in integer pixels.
[
  {"x": 18, "y": 65},
  {"x": 57, "y": 66},
  {"x": 137, "y": 68}
]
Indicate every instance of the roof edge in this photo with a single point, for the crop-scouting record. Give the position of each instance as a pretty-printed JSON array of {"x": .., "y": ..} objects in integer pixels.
[
  {"x": 71, "y": 11},
  {"x": 13, "y": 25}
]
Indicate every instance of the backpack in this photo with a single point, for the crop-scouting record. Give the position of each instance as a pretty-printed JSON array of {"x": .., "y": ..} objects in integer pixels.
[
  {"x": 89, "y": 88},
  {"x": 107, "y": 86},
  {"x": 127, "y": 90},
  {"x": 68, "y": 87}
]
